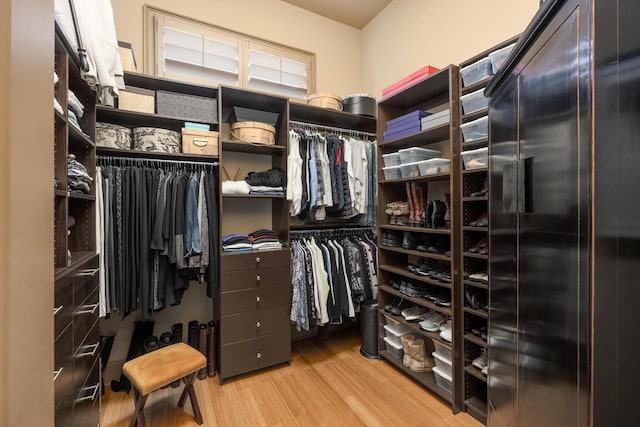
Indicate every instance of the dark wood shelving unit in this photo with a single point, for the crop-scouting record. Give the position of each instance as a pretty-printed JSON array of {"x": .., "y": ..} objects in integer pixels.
[
  {"x": 416, "y": 253},
  {"x": 475, "y": 339},
  {"x": 422, "y": 230},
  {"x": 156, "y": 155},
  {"x": 426, "y": 178},
  {"x": 409, "y": 275}
]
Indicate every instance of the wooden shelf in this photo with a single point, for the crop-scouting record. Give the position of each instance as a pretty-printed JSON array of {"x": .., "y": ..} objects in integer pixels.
[
  {"x": 159, "y": 83},
  {"x": 479, "y": 313},
  {"x": 415, "y": 327},
  {"x": 475, "y": 339},
  {"x": 423, "y": 137},
  {"x": 427, "y": 379},
  {"x": 77, "y": 258},
  {"x": 475, "y": 255},
  {"x": 77, "y": 138},
  {"x": 475, "y": 284},
  {"x": 80, "y": 196},
  {"x": 470, "y": 369},
  {"x": 475, "y": 199},
  {"x": 426, "y": 178},
  {"x": 253, "y": 196},
  {"x": 419, "y": 301},
  {"x": 134, "y": 119},
  {"x": 472, "y": 171},
  {"x": 431, "y": 87},
  {"x": 409, "y": 275},
  {"x": 423, "y": 230},
  {"x": 415, "y": 253},
  {"x": 476, "y": 143},
  {"x": 477, "y": 408},
  {"x": 329, "y": 224},
  {"x": 470, "y": 228},
  {"x": 245, "y": 147},
  {"x": 155, "y": 155},
  {"x": 476, "y": 86},
  {"x": 333, "y": 118}
]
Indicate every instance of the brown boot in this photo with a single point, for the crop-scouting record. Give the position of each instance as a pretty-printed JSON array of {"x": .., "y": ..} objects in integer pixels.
[
  {"x": 420, "y": 362},
  {"x": 406, "y": 340},
  {"x": 412, "y": 209},
  {"x": 419, "y": 196}
]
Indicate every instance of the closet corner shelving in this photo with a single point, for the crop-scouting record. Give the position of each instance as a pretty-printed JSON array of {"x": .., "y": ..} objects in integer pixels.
[
  {"x": 474, "y": 384},
  {"x": 253, "y": 303},
  {"x": 76, "y": 371},
  {"x": 434, "y": 93}
]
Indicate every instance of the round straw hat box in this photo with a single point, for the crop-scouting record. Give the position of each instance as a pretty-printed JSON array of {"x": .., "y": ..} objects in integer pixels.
[
  {"x": 253, "y": 132},
  {"x": 325, "y": 100}
]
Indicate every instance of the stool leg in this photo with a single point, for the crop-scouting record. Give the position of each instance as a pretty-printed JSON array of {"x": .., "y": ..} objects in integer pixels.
[
  {"x": 139, "y": 409},
  {"x": 188, "y": 388}
]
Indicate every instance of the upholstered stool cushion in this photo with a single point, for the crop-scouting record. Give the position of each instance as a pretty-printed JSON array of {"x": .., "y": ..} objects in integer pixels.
[{"x": 161, "y": 367}]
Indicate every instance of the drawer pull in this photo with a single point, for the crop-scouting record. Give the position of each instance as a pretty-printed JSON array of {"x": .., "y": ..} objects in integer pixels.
[
  {"x": 57, "y": 310},
  {"x": 258, "y": 298},
  {"x": 88, "y": 309},
  {"x": 93, "y": 394},
  {"x": 89, "y": 272},
  {"x": 258, "y": 324},
  {"x": 88, "y": 350},
  {"x": 57, "y": 373},
  {"x": 258, "y": 278},
  {"x": 258, "y": 259},
  {"x": 258, "y": 355}
]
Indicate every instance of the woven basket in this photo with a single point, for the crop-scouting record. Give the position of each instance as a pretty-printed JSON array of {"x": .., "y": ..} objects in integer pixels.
[
  {"x": 253, "y": 132},
  {"x": 325, "y": 100}
]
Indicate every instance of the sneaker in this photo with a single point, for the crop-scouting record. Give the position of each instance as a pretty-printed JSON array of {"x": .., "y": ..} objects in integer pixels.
[
  {"x": 433, "y": 323},
  {"x": 480, "y": 362},
  {"x": 485, "y": 370},
  {"x": 414, "y": 313},
  {"x": 397, "y": 310},
  {"x": 446, "y": 331}
]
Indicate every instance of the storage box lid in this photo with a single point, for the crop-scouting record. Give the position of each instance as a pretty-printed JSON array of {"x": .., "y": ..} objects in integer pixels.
[
  {"x": 397, "y": 330},
  {"x": 421, "y": 150},
  {"x": 441, "y": 358},
  {"x": 392, "y": 344},
  {"x": 391, "y": 167},
  {"x": 242, "y": 114},
  {"x": 475, "y": 122},
  {"x": 198, "y": 132},
  {"x": 442, "y": 374},
  {"x": 477, "y": 93},
  {"x": 483, "y": 150},
  {"x": 435, "y": 160}
]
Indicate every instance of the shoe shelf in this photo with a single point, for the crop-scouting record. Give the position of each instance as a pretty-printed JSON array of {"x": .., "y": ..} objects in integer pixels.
[
  {"x": 475, "y": 284},
  {"x": 415, "y": 327},
  {"x": 475, "y": 199},
  {"x": 427, "y": 379},
  {"x": 477, "y": 408},
  {"x": 245, "y": 147},
  {"x": 426, "y": 178},
  {"x": 423, "y": 230},
  {"x": 475, "y": 339},
  {"x": 479, "y": 313},
  {"x": 475, "y": 255},
  {"x": 479, "y": 171},
  {"x": 475, "y": 115},
  {"x": 470, "y": 228},
  {"x": 476, "y": 143},
  {"x": 409, "y": 275},
  {"x": 424, "y": 137},
  {"x": 472, "y": 370},
  {"x": 136, "y": 119},
  {"x": 419, "y": 301},
  {"x": 415, "y": 253}
]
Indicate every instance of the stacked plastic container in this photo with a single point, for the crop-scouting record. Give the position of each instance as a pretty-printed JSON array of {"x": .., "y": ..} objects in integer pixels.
[
  {"x": 443, "y": 371},
  {"x": 413, "y": 162}
]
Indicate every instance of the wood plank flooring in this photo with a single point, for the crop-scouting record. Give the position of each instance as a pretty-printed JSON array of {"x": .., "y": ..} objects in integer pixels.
[{"x": 328, "y": 384}]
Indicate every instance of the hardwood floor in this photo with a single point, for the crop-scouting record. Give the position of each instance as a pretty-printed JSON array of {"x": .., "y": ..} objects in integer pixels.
[{"x": 328, "y": 384}]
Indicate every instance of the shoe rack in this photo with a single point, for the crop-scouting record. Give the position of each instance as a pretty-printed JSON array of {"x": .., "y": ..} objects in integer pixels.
[
  {"x": 400, "y": 281},
  {"x": 475, "y": 74}
]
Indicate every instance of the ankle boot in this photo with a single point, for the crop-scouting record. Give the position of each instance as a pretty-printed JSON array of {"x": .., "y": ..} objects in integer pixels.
[
  {"x": 420, "y": 362},
  {"x": 211, "y": 349},
  {"x": 409, "y": 240},
  {"x": 447, "y": 215},
  {"x": 166, "y": 339},
  {"x": 406, "y": 340},
  {"x": 419, "y": 194},
  {"x": 412, "y": 208},
  {"x": 439, "y": 211},
  {"x": 202, "y": 346},
  {"x": 402, "y": 213},
  {"x": 429, "y": 214},
  {"x": 389, "y": 211}
]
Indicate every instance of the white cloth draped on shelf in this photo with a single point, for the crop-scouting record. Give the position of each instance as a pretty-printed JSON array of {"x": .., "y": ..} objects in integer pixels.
[{"x": 98, "y": 33}]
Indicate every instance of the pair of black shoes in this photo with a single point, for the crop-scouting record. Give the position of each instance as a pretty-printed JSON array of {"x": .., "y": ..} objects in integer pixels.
[
  {"x": 392, "y": 239},
  {"x": 476, "y": 300},
  {"x": 396, "y": 306},
  {"x": 434, "y": 213}
]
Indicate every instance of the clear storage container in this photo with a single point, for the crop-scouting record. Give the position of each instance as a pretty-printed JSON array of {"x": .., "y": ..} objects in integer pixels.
[
  {"x": 410, "y": 170},
  {"x": 476, "y": 129},
  {"x": 393, "y": 348},
  {"x": 497, "y": 57},
  {"x": 435, "y": 166},
  {"x": 476, "y": 159},
  {"x": 474, "y": 101},
  {"x": 442, "y": 349},
  {"x": 391, "y": 159},
  {"x": 442, "y": 363},
  {"x": 416, "y": 154},
  {"x": 475, "y": 72},
  {"x": 395, "y": 333},
  {"x": 442, "y": 379},
  {"x": 392, "y": 172}
]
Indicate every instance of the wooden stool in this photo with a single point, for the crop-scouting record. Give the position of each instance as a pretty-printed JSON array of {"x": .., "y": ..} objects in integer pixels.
[{"x": 159, "y": 368}]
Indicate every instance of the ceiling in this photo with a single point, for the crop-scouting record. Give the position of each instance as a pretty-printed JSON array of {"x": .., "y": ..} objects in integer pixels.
[{"x": 356, "y": 13}]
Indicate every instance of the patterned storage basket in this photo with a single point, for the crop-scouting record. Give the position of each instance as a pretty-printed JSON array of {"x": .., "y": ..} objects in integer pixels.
[
  {"x": 186, "y": 107},
  {"x": 113, "y": 136},
  {"x": 156, "y": 139}
]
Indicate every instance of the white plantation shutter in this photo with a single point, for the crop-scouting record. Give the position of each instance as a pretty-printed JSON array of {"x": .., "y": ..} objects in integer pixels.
[{"x": 182, "y": 49}]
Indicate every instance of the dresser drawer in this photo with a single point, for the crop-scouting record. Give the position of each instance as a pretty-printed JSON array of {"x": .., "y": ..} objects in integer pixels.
[
  {"x": 254, "y": 324},
  {"x": 62, "y": 305},
  {"x": 63, "y": 364},
  {"x": 85, "y": 356},
  {"x": 247, "y": 356},
  {"x": 85, "y": 280},
  {"x": 255, "y": 278},
  {"x": 253, "y": 299},
  {"x": 64, "y": 409},
  {"x": 257, "y": 259},
  {"x": 87, "y": 399},
  {"x": 84, "y": 317}
]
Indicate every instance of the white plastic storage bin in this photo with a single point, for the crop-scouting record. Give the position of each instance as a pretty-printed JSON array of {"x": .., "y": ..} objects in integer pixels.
[
  {"x": 434, "y": 166},
  {"x": 497, "y": 57},
  {"x": 442, "y": 349},
  {"x": 476, "y": 159},
  {"x": 392, "y": 172},
  {"x": 391, "y": 159},
  {"x": 442, "y": 363},
  {"x": 442, "y": 379},
  {"x": 393, "y": 348},
  {"x": 396, "y": 332},
  {"x": 475, "y": 72},
  {"x": 416, "y": 154},
  {"x": 474, "y": 101},
  {"x": 476, "y": 129},
  {"x": 410, "y": 170}
]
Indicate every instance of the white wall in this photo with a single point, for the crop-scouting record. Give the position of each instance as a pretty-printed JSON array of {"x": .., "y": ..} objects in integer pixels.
[{"x": 409, "y": 34}]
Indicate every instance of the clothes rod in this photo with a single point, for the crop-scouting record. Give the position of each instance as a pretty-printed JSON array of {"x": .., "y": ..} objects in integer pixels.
[
  {"x": 313, "y": 126},
  {"x": 143, "y": 160},
  {"x": 333, "y": 230}
]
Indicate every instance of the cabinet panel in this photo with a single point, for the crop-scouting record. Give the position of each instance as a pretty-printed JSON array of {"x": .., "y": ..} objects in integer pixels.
[
  {"x": 254, "y": 324},
  {"x": 63, "y": 364},
  {"x": 84, "y": 317},
  {"x": 85, "y": 356},
  {"x": 254, "y": 260},
  {"x": 63, "y": 305},
  {"x": 256, "y": 278},
  {"x": 255, "y": 354},
  {"x": 85, "y": 281},
  {"x": 253, "y": 299},
  {"x": 87, "y": 399}
]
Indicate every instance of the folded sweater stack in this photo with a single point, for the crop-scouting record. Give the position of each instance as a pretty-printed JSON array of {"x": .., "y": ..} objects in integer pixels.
[{"x": 263, "y": 239}]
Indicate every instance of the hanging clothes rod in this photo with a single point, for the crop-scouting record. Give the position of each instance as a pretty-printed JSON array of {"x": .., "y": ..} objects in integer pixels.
[
  {"x": 148, "y": 161},
  {"x": 363, "y": 229},
  {"x": 316, "y": 127}
]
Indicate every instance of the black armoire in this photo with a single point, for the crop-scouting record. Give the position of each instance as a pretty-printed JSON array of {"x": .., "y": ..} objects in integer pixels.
[{"x": 565, "y": 219}]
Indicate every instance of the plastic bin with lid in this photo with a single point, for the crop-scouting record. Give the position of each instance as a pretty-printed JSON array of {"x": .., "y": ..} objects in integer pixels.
[
  {"x": 474, "y": 101},
  {"x": 434, "y": 166},
  {"x": 476, "y": 129},
  {"x": 393, "y": 348},
  {"x": 497, "y": 57},
  {"x": 475, "y": 72},
  {"x": 410, "y": 170},
  {"x": 476, "y": 159},
  {"x": 396, "y": 332},
  {"x": 442, "y": 362},
  {"x": 442, "y": 379},
  {"x": 416, "y": 154},
  {"x": 442, "y": 349},
  {"x": 392, "y": 172},
  {"x": 391, "y": 159}
]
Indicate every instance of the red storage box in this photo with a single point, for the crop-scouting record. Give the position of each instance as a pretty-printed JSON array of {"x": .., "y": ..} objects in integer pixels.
[{"x": 410, "y": 79}]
